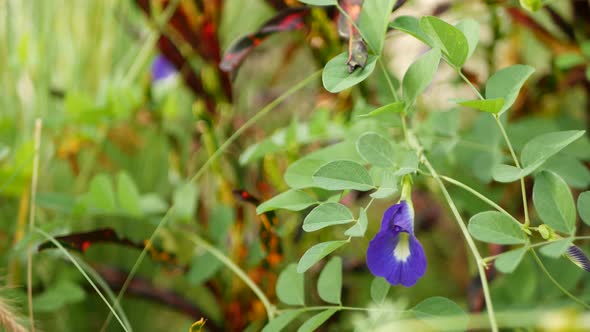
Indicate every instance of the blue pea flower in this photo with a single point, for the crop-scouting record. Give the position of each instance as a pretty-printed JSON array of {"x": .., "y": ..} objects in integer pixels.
[
  {"x": 394, "y": 253},
  {"x": 162, "y": 68}
]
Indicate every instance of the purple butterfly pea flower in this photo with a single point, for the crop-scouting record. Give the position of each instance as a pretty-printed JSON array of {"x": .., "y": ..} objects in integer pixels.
[
  {"x": 162, "y": 68},
  {"x": 394, "y": 253}
]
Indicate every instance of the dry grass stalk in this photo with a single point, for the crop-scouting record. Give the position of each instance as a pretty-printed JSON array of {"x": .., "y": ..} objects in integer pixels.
[{"x": 9, "y": 320}]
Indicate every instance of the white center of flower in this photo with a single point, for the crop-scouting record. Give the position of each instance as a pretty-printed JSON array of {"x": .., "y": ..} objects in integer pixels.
[{"x": 402, "y": 250}]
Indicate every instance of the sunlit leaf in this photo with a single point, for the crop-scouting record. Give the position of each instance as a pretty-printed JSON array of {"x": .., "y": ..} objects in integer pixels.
[
  {"x": 470, "y": 29},
  {"x": 316, "y": 253},
  {"x": 487, "y": 105},
  {"x": 290, "y": 286},
  {"x": 420, "y": 74},
  {"x": 336, "y": 76},
  {"x": 506, "y": 84},
  {"x": 411, "y": 26},
  {"x": 554, "y": 202},
  {"x": 495, "y": 227},
  {"x": 449, "y": 39},
  {"x": 330, "y": 281}
]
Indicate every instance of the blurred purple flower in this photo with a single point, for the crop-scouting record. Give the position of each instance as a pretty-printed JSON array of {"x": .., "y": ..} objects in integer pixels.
[
  {"x": 394, "y": 253},
  {"x": 162, "y": 68}
]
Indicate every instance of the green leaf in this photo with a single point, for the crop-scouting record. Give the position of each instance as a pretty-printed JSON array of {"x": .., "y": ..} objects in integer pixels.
[
  {"x": 569, "y": 60},
  {"x": 336, "y": 77},
  {"x": 330, "y": 281},
  {"x": 387, "y": 186},
  {"x": 185, "y": 201},
  {"x": 420, "y": 74},
  {"x": 411, "y": 26},
  {"x": 278, "y": 323},
  {"x": 376, "y": 150},
  {"x": 320, "y": 2},
  {"x": 221, "y": 218},
  {"x": 535, "y": 153},
  {"x": 495, "y": 227},
  {"x": 571, "y": 169},
  {"x": 395, "y": 107},
  {"x": 379, "y": 289},
  {"x": 556, "y": 248},
  {"x": 152, "y": 204},
  {"x": 101, "y": 193},
  {"x": 584, "y": 206},
  {"x": 343, "y": 174},
  {"x": 408, "y": 162},
  {"x": 449, "y": 39},
  {"x": 360, "y": 227},
  {"x": 316, "y": 253},
  {"x": 506, "y": 84},
  {"x": 317, "y": 320},
  {"x": 440, "y": 307},
  {"x": 300, "y": 174},
  {"x": 531, "y": 5},
  {"x": 373, "y": 21},
  {"x": 327, "y": 214},
  {"x": 60, "y": 294},
  {"x": 554, "y": 202},
  {"x": 292, "y": 200},
  {"x": 128, "y": 195},
  {"x": 470, "y": 29},
  {"x": 291, "y": 286},
  {"x": 203, "y": 267},
  {"x": 508, "y": 261},
  {"x": 487, "y": 105}
]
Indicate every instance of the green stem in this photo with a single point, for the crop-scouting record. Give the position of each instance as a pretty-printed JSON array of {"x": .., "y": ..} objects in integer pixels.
[
  {"x": 329, "y": 307},
  {"x": 471, "y": 244},
  {"x": 206, "y": 166},
  {"x": 75, "y": 262},
  {"x": 556, "y": 283},
  {"x": 270, "y": 310},
  {"x": 480, "y": 196},
  {"x": 509, "y": 144},
  {"x": 534, "y": 245},
  {"x": 388, "y": 79}
]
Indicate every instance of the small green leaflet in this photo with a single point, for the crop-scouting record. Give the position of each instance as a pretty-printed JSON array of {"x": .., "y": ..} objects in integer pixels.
[
  {"x": 299, "y": 174},
  {"x": 327, "y": 214},
  {"x": 506, "y": 84},
  {"x": 101, "y": 195},
  {"x": 554, "y": 202},
  {"x": 373, "y": 21},
  {"x": 420, "y": 74},
  {"x": 440, "y": 307},
  {"x": 556, "y": 248},
  {"x": 278, "y": 323},
  {"x": 395, "y": 107},
  {"x": 376, "y": 150},
  {"x": 316, "y": 253},
  {"x": 508, "y": 262},
  {"x": 359, "y": 229},
  {"x": 342, "y": 175},
  {"x": 316, "y": 321},
  {"x": 320, "y": 2},
  {"x": 495, "y": 227},
  {"x": 290, "y": 286},
  {"x": 449, "y": 39},
  {"x": 486, "y": 105},
  {"x": 292, "y": 200},
  {"x": 128, "y": 195},
  {"x": 379, "y": 289},
  {"x": 584, "y": 206},
  {"x": 535, "y": 153},
  {"x": 411, "y": 26},
  {"x": 336, "y": 77},
  {"x": 470, "y": 29},
  {"x": 330, "y": 281}
]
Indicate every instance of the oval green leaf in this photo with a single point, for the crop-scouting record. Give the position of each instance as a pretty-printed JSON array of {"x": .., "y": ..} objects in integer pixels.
[
  {"x": 316, "y": 253},
  {"x": 584, "y": 206},
  {"x": 290, "y": 286},
  {"x": 330, "y": 281},
  {"x": 336, "y": 77},
  {"x": 440, "y": 307},
  {"x": 316, "y": 321},
  {"x": 278, "y": 323},
  {"x": 341, "y": 175},
  {"x": 506, "y": 84},
  {"x": 373, "y": 21},
  {"x": 420, "y": 74},
  {"x": 379, "y": 289},
  {"x": 411, "y": 26},
  {"x": 327, "y": 214},
  {"x": 359, "y": 229},
  {"x": 508, "y": 261},
  {"x": 556, "y": 248},
  {"x": 487, "y": 105},
  {"x": 496, "y": 227},
  {"x": 449, "y": 39},
  {"x": 554, "y": 202},
  {"x": 292, "y": 200},
  {"x": 376, "y": 150}
]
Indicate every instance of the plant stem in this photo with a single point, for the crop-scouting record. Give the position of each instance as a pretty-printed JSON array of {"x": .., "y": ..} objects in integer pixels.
[
  {"x": 480, "y": 196},
  {"x": 515, "y": 159},
  {"x": 73, "y": 260},
  {"x": 388, "y": 79},
  {"x": 507, "y": 140},
  {"x": 414, "y": 143},
  {"x": 534, "y": 245},
  {"x": 206, "y": 166},
  {"x": 34, "y": 179},
  {"x": 556, "y": 283},
  {"x": 270, "y": 310}
]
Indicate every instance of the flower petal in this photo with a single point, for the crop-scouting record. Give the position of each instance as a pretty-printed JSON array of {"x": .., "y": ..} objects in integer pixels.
[
  {"x": 380, "y": 259},
  {"x": 162, "y": 68},
  {"x": 397, "y": 215}
]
